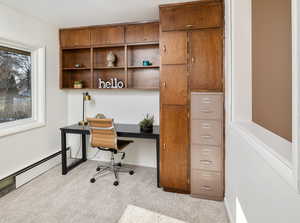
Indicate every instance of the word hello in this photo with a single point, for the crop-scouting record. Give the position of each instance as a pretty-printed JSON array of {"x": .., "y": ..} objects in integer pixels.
[{"x": 113, "y": 83}]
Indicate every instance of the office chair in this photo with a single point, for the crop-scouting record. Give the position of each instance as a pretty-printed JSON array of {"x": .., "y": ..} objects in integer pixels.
[{"x": 104, "y": 137}]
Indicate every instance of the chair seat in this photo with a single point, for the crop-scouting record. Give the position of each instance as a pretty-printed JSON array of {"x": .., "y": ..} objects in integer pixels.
[{"x": 122, "y": 143}]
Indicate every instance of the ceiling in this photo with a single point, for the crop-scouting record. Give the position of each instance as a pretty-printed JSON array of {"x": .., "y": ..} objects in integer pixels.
[{"x": 70, "y": 13}]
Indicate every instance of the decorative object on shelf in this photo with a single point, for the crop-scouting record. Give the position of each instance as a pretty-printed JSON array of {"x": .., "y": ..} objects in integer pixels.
[
  {"x": 146, "y": 63},
  {"x": 111, "y": 59},
  {"x": 112, "y": 83},
  {"x": 146, "y": 125},
  {"x": 85, "y": 97},
  {"x": 78, "y": 65},
  {"x": 99, "y": 115},
  {"x": 77, "y": 84}
]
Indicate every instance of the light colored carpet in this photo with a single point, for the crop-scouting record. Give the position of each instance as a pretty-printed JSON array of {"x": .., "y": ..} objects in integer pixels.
[
  {"x": 134, "y": 214},
  {"x": 53, "y": 198}
]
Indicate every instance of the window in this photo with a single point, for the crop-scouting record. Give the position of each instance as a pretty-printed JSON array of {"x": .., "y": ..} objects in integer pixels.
[
  {"x": 22, "y": 87},
  {"x": 15, "y": 85}
]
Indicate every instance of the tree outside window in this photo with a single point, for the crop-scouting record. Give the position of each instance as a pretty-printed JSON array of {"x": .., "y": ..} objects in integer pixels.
[{"x": 15, "y": 85}]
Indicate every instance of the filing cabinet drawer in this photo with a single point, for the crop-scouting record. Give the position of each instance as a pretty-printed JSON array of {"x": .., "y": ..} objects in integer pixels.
[
  {"x": 206, "y": 132},
  {"x": 206, "y": 106},
  {"x": 206, "y": 183},
  {"x": 206, "y": 158}
]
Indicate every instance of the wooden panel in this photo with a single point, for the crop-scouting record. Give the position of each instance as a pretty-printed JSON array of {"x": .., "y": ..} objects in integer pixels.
[
  {"x": 191, "y": 16},
  {"x": 75, "y": 38},
  {"x": 143, "y": 78},
  {"x": 174, "y": 148},
  {"x": 173, "y": 47},
  {"x": 76, "y": 56},
  {"x": 137, "y": 54},
  {"x": 101, "y": 53},
  {"x": 107, "y": 35},
  {"x": 206, "y": 60},
  {"x": 174, "y": 85},
  {"x": 147, "y": 32}
]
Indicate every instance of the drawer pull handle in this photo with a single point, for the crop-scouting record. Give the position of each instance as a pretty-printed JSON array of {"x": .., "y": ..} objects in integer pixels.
[
  {"x": 206, "y": 126},
  {"x": 206, "y": 136},
  {"x": 207, "y": 162},
  {"x": 207, "y": 188},
  {"x": 189, "y": 26},
  {"x": 206, "y": 111}
]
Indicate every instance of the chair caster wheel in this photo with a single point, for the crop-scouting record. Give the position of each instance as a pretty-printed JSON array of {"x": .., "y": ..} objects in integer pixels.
[
  {"x": 98, "y": 169},
  {"x": 116, "y": 183},
  {"x": 131, "y": 172},
  {"x": 93, "y": 180}
]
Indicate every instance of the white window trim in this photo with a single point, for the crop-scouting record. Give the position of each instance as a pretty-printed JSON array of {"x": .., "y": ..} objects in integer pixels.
[
  {"x": 37, "y": 89},
  {"x": 238, "y": 101}
]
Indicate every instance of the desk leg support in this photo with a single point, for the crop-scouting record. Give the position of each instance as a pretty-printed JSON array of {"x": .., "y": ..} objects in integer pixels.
[
  {"x": 157, "y": 161},
  {"x": 64, "y": 153},
  {"x": 84, "y": 157}
]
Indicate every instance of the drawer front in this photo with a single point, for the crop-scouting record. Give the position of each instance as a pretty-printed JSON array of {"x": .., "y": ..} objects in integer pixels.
[
  {"x": 206, "y": 183},
  {"x": 204, "y": 106},
  {"x": 206, "y": 158},
  {"x": 206, "y": 132}
]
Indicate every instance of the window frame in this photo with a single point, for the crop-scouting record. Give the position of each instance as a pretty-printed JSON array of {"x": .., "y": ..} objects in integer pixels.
[
  {"x": 238, "y": 91},
  {"x": 38, "y": 95}
]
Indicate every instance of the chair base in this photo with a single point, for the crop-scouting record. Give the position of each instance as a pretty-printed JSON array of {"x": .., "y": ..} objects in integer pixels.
[{"x": 116, "y": 168}]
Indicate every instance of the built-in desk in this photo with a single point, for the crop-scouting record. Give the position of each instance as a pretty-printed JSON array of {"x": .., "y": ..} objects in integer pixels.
[{"x": 123, "y": 130}]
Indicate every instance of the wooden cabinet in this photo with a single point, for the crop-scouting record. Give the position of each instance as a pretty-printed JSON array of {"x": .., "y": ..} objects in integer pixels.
[
  {"x": 174, "y": 85},
  {"x": 174, "y": 148},
  {"x": 75, "y": 38},
  {"x": 206, "y": 59},
  {"x": 146, "y": 32},
  {"x": 194, "y": 15},
  {"x": 107, "y": 35},
  {"x": 173, "y": 47}
]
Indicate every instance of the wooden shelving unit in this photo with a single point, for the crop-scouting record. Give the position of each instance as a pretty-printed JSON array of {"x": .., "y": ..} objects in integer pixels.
[{"x": 130, "y": 56}]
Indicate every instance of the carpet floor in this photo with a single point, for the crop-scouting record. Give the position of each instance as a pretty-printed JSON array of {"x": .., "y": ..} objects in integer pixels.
[{"x": 53, "y": 198}]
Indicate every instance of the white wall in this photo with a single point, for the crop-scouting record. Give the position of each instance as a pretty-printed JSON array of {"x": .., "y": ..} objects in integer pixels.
[
  {"x": 125, "y": 106},
  {"x": 263, "y": 194},
  {"x": 22, "y": 149}
]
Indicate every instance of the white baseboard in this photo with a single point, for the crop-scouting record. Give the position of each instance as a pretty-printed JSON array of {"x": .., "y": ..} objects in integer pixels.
[
  {"x": 27, "y": 176},
  {"x": 229, "y": 214}
]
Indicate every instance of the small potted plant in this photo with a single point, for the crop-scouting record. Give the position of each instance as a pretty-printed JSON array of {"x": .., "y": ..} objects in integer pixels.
[
  {"x": 78, "y": 84},
  {"x": 146, "y": 125}
]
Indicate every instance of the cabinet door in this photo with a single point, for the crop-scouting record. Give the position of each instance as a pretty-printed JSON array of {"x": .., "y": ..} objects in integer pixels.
[
  {"x": 173, "y": 47},
  {"x": 174, "y": 83},
  {"x": 174, "y": 148},
  {"x": 147, "y": 32},
  {"x": 107, "y": 35},
  {"x": 191, "y": 16},
  {"x": 75, "y": 38},
  {"x": 206, "y": 60}
]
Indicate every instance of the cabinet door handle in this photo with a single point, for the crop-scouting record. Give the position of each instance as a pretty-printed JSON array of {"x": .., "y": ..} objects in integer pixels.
[
  {"x": 189, "y": 26},
  {"x": 164, "y": 146},
  {"x": 206, "y": 136},
  {"x": 164, "y": 48},
  {"x": 193, "y": 59},
  {"x": 207, "y": 162},
  {"x": 164, "y": 84}
]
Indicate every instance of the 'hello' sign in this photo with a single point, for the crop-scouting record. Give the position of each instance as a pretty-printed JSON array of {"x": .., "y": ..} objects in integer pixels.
[{"x": 112, "y": 83}]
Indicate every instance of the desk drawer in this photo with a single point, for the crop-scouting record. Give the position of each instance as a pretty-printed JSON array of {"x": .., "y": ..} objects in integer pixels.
[
  {"x": 206, "y": 158},
  {"x": 206, "y": 132},
  {"x": 206, "y": 106},
  {"x": 206, "y": 183}
]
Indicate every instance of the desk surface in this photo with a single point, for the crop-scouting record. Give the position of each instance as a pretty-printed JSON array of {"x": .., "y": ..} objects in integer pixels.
[{"x": 123, "y": 130}]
